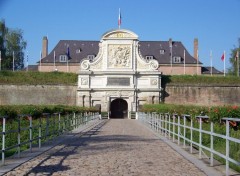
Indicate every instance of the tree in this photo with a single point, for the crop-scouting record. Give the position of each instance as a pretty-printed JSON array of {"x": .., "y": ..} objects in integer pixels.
[
  {"x": 234, "y": 68},
  {"x": 12, "y": 45}
]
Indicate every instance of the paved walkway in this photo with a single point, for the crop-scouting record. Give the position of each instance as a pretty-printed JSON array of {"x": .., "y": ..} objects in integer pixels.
[{"x": 114, "y": 147}]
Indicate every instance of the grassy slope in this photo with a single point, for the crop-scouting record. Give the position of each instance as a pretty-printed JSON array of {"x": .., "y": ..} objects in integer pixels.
[
  {"x": 201, "y": 80},
  {"x": 55, "y": 78},
  {"x": 37, "y": 78}
]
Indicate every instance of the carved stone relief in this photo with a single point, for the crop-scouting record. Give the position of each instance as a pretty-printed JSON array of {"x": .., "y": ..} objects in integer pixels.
[
  {"x": 153, "y": 81},
  {"x": 84, "y": 81},
  {"x": 119, "y": 56}
]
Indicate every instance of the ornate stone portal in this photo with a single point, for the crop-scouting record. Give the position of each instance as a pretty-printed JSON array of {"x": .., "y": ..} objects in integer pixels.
[{"x": 118, "y": 73}]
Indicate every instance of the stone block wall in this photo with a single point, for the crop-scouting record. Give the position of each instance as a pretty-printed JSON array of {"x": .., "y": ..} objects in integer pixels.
[
  {"x": 202, "y": 95},
  {"x": 37, "y": 94}
]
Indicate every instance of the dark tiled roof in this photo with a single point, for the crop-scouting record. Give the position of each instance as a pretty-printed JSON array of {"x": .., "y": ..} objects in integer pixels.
[
  {"x": 86, "y": 48},
  {"x": 152, "y": 48},
  {"x": 147, "y": 48},
  {"x": 207, "y": 70}
]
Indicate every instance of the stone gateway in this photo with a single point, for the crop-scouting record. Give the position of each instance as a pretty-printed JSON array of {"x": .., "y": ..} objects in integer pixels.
[{"x": 118, "y": 78}]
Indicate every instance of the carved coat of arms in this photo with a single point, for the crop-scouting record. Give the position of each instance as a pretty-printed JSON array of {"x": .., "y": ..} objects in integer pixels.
[{"x": 119, "y": 56}]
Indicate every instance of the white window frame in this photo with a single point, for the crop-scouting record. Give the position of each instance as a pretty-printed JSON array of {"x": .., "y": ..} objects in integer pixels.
[
  {"x": 91, "y": 57},
  {"x": 63, "y": 58},
  {"x": 162, "y": 51},
  {"x": 176, "y": 59},
  {"x": 148, "y": 58},
  {"x": 78, "y": 51}
]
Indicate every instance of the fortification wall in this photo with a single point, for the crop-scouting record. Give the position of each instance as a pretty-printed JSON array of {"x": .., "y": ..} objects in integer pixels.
[
  {"x": 37, "y": 94},
  {"x": 202, "y": 95}
]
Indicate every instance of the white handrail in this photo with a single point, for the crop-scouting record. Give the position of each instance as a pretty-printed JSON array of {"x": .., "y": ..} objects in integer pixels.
[
  {"x": 64, "y": 125},
  {"x": 162, "y": 124}
]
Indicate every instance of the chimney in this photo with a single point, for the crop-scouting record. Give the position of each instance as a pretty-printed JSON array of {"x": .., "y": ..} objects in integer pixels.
[
  {"x": 195, "y": 45},
  {"x": 44, "y": 47}
]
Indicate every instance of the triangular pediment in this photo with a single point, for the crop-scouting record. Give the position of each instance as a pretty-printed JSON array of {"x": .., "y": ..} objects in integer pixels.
[{"x": 119, "y": 34}]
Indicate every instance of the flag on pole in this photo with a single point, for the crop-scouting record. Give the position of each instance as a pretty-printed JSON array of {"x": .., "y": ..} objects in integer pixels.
[
  {"x": 119, "y": 19},
  {"x": 68, "y": 52},
  {"x": 223, "y": 57},
  {"x": 68, "y": 56}
]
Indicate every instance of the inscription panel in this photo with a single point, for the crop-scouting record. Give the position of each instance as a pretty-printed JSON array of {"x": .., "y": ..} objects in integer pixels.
[{"x": 118, "y": 81}]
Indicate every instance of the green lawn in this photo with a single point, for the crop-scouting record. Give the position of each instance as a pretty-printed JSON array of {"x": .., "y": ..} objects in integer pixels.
[{"x": 37, "y": 78}]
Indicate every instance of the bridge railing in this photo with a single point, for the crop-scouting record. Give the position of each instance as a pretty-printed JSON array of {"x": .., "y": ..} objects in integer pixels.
[
  {"x": 175, "y": 128},
  {"x": 24, "y": 131}
]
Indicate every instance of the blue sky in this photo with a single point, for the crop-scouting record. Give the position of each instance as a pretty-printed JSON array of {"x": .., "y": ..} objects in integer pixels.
[{"x": 214, "y": 22}]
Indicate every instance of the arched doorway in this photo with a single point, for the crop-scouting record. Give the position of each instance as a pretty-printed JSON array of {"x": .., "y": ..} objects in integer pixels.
[{"x": 119, "y": 108}]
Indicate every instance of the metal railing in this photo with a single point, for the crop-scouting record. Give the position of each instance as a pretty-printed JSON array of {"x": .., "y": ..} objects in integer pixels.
[
  {"x": 25, "y": 131},
  {"x": 174, "y": 127}
]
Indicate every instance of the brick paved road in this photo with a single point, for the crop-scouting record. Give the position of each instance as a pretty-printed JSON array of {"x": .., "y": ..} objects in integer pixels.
[{"x": 115, "y": 147}]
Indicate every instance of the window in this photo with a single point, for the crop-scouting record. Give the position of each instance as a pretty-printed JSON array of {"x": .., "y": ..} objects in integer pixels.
[
  {"x": 90, "y": 57},
  {"x": 63, "y": 58},
  {"x": 176, "y": 59},
  {"x": 162, "y": 51},
  {"x": 148, "y": 58},
  {"x": 78, "y": 51}
]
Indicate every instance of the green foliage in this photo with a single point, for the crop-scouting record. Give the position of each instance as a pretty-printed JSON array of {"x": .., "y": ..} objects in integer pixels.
[
  {"x": 215, "y": 113},
  {"x": 11, "y": 40},
  {"x": 37, "y": 78},
  {"x": 233, "y": 69},
  {"x": 200, "y": 80},
  {"x": 36, "y": 111}
]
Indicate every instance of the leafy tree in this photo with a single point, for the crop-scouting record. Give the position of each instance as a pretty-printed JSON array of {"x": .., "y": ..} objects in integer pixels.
[
  {"x": 234, "y": 68},
  {"x": 12, "y": 45}
]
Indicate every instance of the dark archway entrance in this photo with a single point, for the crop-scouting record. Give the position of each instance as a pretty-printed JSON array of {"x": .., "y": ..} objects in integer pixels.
[{"x": 119, "y": 108}]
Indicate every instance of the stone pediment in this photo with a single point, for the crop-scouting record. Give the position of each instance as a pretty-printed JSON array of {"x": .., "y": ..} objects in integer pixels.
[
  {"x": 119, "y": 34},
  {"x": 119, "y": 51}
]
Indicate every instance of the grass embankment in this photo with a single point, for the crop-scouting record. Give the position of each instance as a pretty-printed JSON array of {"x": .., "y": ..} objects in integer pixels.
[
  {"x": 40, "y": 78},
  {"x": 200, "y": 80},
  {"x": 215, "y": 114},
  {"x": 37, "y": 78}
]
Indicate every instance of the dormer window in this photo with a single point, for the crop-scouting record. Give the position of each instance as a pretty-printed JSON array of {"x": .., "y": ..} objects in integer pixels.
[
  {"x": 78, "y": 51},
  {"x": 148, "y": 58},
  {"x": 63, "y": 58},
  {"x": 91, "y": 57},
  {"x": 176, "y": 59},
  {"x": 162, "y": 51}
]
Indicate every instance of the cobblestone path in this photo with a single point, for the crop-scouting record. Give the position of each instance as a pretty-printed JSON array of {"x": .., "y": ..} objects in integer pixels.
[{"x": 115, "y": 147}]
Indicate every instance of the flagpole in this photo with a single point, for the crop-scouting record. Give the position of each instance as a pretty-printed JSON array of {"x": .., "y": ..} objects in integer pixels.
[
  {"x": 40, "y": 69},
  {"x": 224, "y": 62},
  {"x": 27, "y": 61},
  {"x": 184, "y": 62},
  {"x": 238, "y": 63},
  {"x": 211, "y": 60},
  {"x": 197, "y": 62},
  {"x": 54, "y": 66},
  {"x": 13, "y": 61},
  {"x": 119, "y": 19},
  {"x": 0, "y": 60}
]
